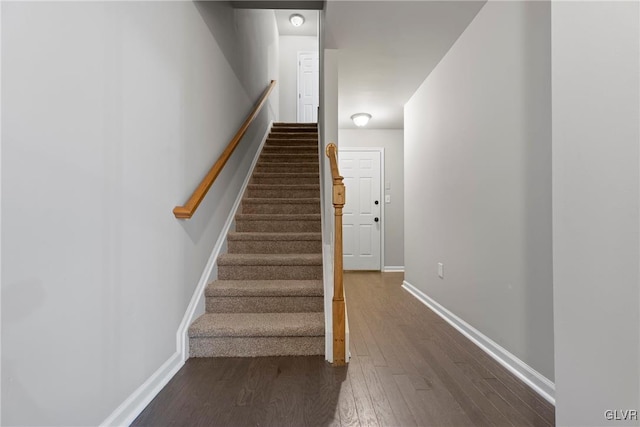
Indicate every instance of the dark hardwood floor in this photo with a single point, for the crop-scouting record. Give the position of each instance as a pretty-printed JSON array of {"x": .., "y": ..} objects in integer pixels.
[{"x": 408, "y": 368}]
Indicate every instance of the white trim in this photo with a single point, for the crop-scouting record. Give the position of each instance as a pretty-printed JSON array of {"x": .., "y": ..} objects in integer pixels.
[
  {"x": 327, "y": 264},
  {"x": 534, "y": 379},
  {"x": 182, "y": 336},
  {"x": 0, "y": 219},
  {"x": 393, "y": 269},
  {"x": 129, "y": 410},
  {"x": 382, "y": 178}
]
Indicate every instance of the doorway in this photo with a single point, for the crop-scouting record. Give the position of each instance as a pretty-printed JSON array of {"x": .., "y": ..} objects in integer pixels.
[
  {"x": 308, "y": 87},
  {"x": 363, "y": 225}
]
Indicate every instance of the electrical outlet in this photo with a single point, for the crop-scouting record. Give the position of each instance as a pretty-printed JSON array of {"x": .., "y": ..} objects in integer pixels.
[{"x": 441, "y": 270}]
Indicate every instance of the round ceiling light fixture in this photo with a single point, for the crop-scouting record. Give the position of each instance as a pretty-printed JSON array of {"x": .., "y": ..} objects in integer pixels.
[
  {"x": 361, "y": 119},
  {"x": 296, "y": 19}
]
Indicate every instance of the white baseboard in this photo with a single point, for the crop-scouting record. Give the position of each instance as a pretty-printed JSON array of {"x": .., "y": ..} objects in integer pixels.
[
  {"x": 538, "y": 382},
  {"x": 139, "y": 399},
  {"x": 129, "y": 410},
  {"x": 329, "y": 340},
  {"x": 327, "y": 266},
  {"x": 393, "y": 269}
]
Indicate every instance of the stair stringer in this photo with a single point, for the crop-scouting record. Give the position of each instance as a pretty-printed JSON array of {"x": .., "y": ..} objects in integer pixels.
[{"x": 196, "y": 306}]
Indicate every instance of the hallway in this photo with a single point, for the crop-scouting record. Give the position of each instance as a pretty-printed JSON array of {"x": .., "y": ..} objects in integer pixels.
[{"x": 401, "y": 374}]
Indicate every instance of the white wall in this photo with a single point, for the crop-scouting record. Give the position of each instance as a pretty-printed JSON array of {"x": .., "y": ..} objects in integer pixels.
[
  {"x": 596, "y": 173},
  {"x": 478, "y": 181},
  {"x": 111, "y": 113},
  {"x": 392, "y": 142},
  {"x": 288, "y": 80}
]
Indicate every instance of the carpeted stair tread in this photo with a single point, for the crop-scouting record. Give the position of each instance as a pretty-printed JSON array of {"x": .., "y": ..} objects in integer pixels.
[
  {"x": 282, "y": 191},
  {"x": 286, "y": 168},
  {"x": 280, "y": 128},
  {"x": 289, "y": 165},
  {"x": 288, "y": 124},
  {"x": 289, "y": 158},
  {"x": 297, "y": 129},
  {"x": 265, "y": 288},
  {"x": 284, "y": 186},
  {"x": 285, "y": 178},
  {"x": 258, "y": 325},
  {"x": 273, "y": 236},
  {"x": 280, "y": 206},
  {"x": 290, "y": 149},
  {"x": 288, "y": 201},
  {"x": 278, "y": 217},
  {"x": 278, "y": 133},
  {"x": 291, "y": 176},
  {"x": 279, "y": 142},
  {"x": 269, "y": 259}
]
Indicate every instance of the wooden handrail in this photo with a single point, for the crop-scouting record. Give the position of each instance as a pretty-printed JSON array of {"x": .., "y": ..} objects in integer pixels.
[
  {"x": 339, "y": 329},
  {"x": 187, "y": 211}
]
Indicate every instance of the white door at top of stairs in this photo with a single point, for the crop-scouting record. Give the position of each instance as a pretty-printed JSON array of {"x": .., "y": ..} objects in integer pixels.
[
  {"x": 308, "y": 87},
  {"x": 362, "y": 214}
]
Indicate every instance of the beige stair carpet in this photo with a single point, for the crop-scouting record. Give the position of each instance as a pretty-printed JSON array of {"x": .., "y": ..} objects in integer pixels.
[{"x": 268, "y": 299}]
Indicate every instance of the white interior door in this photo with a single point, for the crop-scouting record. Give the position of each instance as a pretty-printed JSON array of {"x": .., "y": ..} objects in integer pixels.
[
  {"x": 308, "y": 87},
  {"x": 361, "y": 220}
]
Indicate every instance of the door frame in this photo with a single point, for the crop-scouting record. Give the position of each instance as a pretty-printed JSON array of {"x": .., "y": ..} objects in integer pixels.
[
  {"x": 304, "y": 52},
  {"x": 382, "y": 181}
]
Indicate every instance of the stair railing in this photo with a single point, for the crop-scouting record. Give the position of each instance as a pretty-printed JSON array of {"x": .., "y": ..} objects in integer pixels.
[
  {"x": 188, "y": 209},
  {"x": 339, "y": 329}
]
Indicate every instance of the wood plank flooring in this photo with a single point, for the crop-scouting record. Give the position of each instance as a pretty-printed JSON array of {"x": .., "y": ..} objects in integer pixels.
[{"x": 408, "y": 368}]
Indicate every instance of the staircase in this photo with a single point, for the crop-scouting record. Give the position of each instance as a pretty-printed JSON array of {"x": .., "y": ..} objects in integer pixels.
[{"x": 268, "y": 299}]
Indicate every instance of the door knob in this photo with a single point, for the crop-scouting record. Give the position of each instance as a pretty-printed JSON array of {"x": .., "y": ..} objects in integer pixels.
[
  {"x": 376, "y": 219},
  {"x": 376, "y": 202}
]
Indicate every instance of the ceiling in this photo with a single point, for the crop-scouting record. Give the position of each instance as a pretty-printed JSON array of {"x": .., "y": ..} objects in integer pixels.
[
  {"x": 309, "y": 28},
  {"x": 387, "y": 49},
  {"x": 278, "y": 4}
]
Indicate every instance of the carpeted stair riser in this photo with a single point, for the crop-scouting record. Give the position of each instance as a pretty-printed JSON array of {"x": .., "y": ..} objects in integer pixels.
[
  {"x": 279, "y": 142},
  {"x": 252, "y": 222},
  {"x": 289, "y": 266},
  {"x": 299, "y": 128},
  {"x": 274, "y": 247},
  {"x": 265, "y": 167},
  {"x": 294, "y": 135},
  {"x": 256, "y": 346},
  {"x": 264, "y": 304},
  {"x": 309, "y": 191},
  {"x": 294, "y": 129},
  {"x": 257, "y": 325},
  {"x": 281, "y": 206},
  {"x": 256, "y": 334},
  {"x": 289, "y": 124},
  {"x": 289, "y": 149},
  {"x": 265, "y": 288},
  {"x": 289, "y": 158},
  {"x": 269, "y": 272},
  {"x": 274, "y": 243},
  {"x": 285, "y": 178}
]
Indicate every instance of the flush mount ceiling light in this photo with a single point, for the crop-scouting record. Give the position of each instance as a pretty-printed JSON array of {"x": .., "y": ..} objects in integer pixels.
[
  {"x": 361, "y": 119},
  {"x": 296, "y": 19}
]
